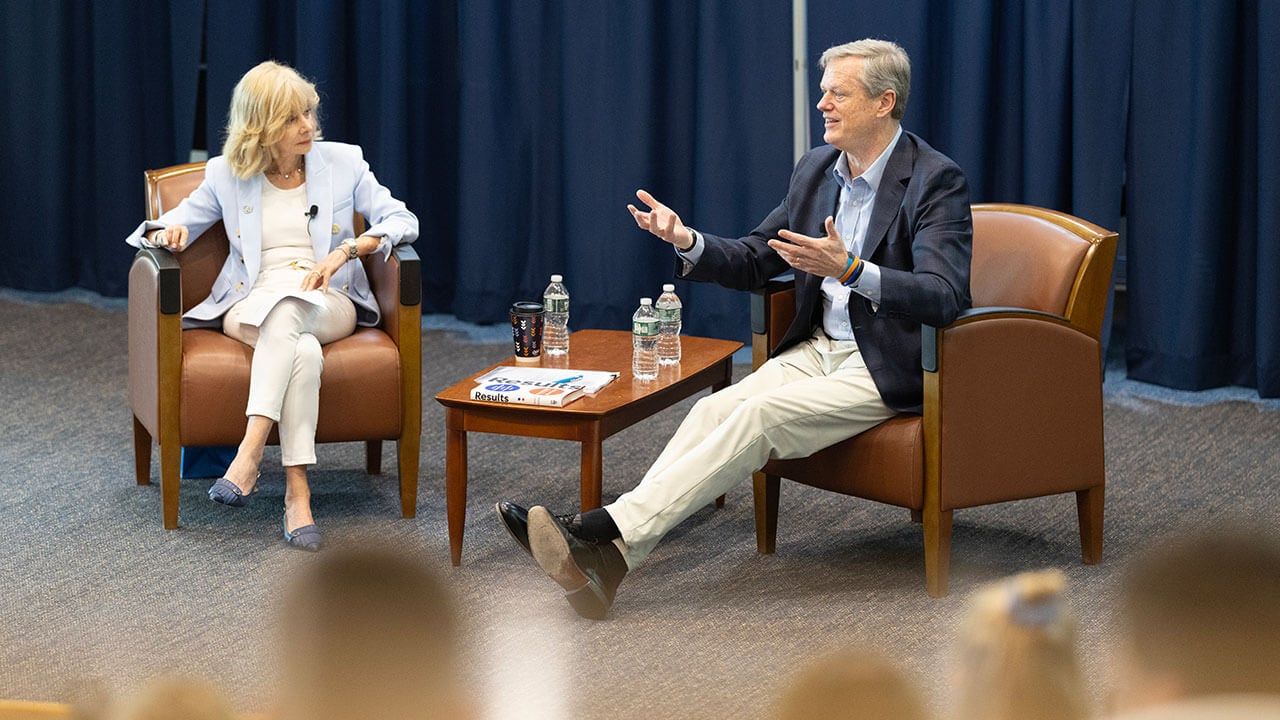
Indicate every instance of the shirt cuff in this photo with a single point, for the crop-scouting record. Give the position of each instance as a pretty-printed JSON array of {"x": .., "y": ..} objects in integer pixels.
[
  {"x": 384, "y": 246},
  {"x": 868, "y": 285},
  {"x": 144, "y": 233},
  {"x": 691, "y": 256}
]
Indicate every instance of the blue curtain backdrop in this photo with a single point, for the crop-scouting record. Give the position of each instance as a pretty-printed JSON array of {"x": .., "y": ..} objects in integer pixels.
[
  {"x": 1204, "y": 272},
  {"x": 89, "y": 97},
  {"x": 520, "y": 130},
  {"x": 570, "y": 107}
]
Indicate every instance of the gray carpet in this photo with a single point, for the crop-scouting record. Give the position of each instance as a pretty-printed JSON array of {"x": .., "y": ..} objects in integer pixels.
[{"x": 94, "y": 592}]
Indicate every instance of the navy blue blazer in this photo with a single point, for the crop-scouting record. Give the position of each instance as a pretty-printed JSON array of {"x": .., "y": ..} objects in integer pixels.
[{"x": 920, "y": 236}]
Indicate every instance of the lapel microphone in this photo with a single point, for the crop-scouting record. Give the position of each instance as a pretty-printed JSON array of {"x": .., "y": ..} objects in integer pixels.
[{"x": 311, "y": 215}]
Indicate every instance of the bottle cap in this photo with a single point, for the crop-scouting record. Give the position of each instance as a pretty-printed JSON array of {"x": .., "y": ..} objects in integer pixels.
[
  {"x": 646, "y": 301},
  {"x": 669, "y": 287},
  {"x": 557, "y": 278}
]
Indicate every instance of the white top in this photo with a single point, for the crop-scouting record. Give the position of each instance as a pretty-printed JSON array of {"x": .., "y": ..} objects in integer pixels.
[
  {"x": 284, "y": 224},
  {"x": 287, "y": 255}
]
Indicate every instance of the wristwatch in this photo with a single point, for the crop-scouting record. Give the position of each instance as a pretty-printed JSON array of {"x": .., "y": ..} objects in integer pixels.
[{"x": 353, "y": 250}]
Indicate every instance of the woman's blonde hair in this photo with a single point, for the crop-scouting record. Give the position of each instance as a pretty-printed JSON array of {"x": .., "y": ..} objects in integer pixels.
[
  {"x": 1017, "y": 653},
  {"x": 262, "y": 105}
]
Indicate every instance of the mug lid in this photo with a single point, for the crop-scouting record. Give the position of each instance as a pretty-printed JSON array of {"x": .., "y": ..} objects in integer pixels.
[{"x": 526, "y": 307}]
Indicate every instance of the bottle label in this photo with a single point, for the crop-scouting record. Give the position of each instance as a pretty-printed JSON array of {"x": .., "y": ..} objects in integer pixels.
[
  {"x": 644, "y": 328},
  {"x": 668, "y": 314},
  {"x": 556, "y": 304}
]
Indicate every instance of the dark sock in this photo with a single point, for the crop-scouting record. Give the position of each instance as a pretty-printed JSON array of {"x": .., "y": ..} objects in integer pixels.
[{"x": 597, "y": 525}]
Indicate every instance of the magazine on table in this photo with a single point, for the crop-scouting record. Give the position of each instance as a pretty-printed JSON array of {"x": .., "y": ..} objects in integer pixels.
[{"x": 555, "y": 387}]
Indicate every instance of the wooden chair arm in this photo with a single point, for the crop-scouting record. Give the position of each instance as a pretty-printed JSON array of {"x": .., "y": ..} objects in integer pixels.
[
  {"x": 167, "y": 288},
  {"x": 930, "y": 336},
  {"x": 773, "y": 307},
  {"x": 155, "y": 333},
  {"x": 396, "y": 284}
]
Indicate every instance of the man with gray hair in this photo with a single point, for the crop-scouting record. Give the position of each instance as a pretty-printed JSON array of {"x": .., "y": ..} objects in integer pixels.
[{"x": 876, "y": 228}]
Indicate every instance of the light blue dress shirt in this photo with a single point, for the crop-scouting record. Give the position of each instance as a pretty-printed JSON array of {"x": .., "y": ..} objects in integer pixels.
[{"x": 853, "y": 215}]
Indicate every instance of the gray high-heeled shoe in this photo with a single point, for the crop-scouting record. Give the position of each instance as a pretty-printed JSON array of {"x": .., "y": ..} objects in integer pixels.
[
  {"x": 306, "y": 537},
  {"x": 224, "y": 491}
]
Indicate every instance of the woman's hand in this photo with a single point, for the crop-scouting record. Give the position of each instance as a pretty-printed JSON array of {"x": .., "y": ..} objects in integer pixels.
[
  {"x": 322, "y": 272},
  {"x": 173, "y": 238}
]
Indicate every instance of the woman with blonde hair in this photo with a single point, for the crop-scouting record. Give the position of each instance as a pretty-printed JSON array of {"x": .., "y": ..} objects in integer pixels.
[
  {"x": 1017, "y": 653},
  {"x": 289, "y": 284}
]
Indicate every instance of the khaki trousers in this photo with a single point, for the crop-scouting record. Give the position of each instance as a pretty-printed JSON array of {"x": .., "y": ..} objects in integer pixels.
[{"x": 813, "y": 395}]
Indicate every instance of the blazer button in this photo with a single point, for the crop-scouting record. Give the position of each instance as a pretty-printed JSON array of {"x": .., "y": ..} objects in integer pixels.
[
  {"x": 248, "y": 209},
  {"x": 344, "y": 288},
  {"x": 239, "y": 285},
  {"x": 336, "y": 229}
]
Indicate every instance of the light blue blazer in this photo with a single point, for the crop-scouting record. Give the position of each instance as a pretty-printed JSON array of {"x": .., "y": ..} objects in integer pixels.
[{"x": 339, "y": 183}]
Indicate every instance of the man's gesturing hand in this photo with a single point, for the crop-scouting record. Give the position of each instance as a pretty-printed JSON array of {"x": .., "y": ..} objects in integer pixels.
[
  {"x": 661, "y": 221},
  {"x": 823, "y": 256}
]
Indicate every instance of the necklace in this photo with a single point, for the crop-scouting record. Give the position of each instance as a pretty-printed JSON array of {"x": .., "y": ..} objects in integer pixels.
[{"x": 301, "y": 169}]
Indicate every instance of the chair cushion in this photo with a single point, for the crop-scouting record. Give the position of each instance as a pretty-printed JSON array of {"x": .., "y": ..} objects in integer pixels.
[
  {"x": 359, "y": 388},
  {"x": 885, "y": 463}
]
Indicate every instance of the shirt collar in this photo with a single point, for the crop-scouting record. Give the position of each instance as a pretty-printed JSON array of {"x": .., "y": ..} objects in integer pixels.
[{"x": 871, "y": 176}]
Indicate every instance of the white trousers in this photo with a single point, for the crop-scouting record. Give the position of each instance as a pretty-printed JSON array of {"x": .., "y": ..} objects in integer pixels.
[
  {"x": 284, "y": 380},
  {"x": 813, "y": 395}
]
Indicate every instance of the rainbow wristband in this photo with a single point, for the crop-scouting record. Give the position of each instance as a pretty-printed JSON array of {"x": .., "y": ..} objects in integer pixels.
[
  {"x": 851, "y": 271},
  {"x": 857, "y": 273}
]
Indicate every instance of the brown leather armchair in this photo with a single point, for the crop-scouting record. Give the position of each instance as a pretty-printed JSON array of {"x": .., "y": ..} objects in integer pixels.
[
  {"x": 190, "y": 387},
  {"x": 1012, "y": 390}
]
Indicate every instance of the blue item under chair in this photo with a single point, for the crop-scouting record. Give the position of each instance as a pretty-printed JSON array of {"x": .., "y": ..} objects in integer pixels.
[{"x": 206, "y": 462}]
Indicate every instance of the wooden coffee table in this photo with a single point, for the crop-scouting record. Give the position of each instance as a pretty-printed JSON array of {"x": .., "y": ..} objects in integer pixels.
[{"x": 589, "y": 420}]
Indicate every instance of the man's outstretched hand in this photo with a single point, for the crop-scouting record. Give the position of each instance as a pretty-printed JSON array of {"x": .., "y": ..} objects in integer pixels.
[
  {"x": 661, "y": 221},
  {"x": 822, "y": 256}
]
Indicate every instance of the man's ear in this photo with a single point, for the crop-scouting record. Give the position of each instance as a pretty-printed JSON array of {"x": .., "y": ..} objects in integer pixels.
[{"x": 888, "y": 99}]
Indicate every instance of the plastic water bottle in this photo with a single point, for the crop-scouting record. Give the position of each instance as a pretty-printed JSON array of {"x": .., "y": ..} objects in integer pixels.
[
  {"x": 644, "y": 341},
  {"x": 668, "y": 308},
  {"x": 555, "y": 331}
]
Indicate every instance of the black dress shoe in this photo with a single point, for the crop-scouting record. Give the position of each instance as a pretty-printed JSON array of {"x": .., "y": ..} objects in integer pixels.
[
  {"x": 516, "y": 521},
  {"x": 588, "y": 571}
]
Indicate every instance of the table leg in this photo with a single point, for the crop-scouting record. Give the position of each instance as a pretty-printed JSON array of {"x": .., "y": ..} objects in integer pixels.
[
  {"x": 455, "y": 482},
  {"x": 727, "y": 380},
  {"x": 592, "y": 473}
]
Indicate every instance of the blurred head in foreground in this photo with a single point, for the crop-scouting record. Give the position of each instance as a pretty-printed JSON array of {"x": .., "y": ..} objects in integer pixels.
[
  {"x": 369, "y": 633},
  {"x": 1017, "y": 653},
  {"x": 852, "y": 684},
  {"x": 1201, "y": 617},
  {"x": 174, "y": 697}
]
